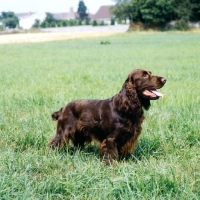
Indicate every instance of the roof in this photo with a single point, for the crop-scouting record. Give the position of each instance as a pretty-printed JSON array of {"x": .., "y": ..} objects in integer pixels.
[
  {"x": 103, "y": 13},
  {"x": 64, "y": 15},
  {"x": 90, "y": 15},
  {"x": 24, "y": 14},
  {"x": 60, "y": 15},
  {"x": 57, "y": 15}
]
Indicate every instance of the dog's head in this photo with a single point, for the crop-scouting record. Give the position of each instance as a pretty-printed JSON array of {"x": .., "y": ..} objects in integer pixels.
[{"x": 146, "y": 85}]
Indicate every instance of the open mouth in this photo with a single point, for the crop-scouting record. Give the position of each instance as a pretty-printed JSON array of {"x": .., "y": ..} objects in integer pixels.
[{"x": 152, "y": 94}]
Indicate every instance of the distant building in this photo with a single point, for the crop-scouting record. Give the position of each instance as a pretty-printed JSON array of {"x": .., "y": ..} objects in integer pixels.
[
  {"x": 70, "y": 15},
  {"x": 103, "y": 14},
  {"x": 26, "y": 20},
  {"x": 90, "y": 16}
]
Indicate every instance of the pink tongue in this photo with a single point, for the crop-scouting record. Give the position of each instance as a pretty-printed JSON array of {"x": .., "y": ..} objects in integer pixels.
[
  {"x": 148, "y": 93},
  {"x": 157, "y": 93}
]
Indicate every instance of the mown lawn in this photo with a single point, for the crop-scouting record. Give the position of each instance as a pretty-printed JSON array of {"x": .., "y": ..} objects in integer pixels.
[{"x": 37, "y": 79}]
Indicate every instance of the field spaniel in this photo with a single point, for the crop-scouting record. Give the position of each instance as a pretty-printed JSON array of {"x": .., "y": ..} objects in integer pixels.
[{"x": 114, "y": 122}]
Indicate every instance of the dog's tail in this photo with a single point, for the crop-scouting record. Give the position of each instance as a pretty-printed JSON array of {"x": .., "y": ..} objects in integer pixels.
[{"x": 56, "y": 115}]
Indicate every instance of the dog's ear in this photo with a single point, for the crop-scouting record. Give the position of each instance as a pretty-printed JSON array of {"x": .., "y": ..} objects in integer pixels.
[
  {"x": 56, "y": 115},
  {"x": 128, "y": 98},
  {"x": 131, "y": 78},
  {"x": 129, "y": 83}
]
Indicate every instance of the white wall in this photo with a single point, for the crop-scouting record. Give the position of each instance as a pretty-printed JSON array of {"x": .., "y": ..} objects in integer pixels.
[{"x": 28, "y": 21}]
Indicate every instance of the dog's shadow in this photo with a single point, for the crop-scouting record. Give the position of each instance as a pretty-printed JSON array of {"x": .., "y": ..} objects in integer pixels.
[
  {"x": 88, "y": 149},
  {"x": 145, "y": 149}
]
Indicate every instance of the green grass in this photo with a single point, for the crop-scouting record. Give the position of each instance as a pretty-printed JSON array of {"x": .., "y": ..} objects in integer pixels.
[{"x": 38, "y": 79}]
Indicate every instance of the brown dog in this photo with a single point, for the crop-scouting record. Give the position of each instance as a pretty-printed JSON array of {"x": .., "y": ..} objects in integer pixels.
[{"x": 114, "y": 122}]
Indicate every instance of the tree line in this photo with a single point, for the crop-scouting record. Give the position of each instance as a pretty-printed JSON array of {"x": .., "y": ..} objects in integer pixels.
[
  {"x": 150, "y": 13},
  {"x": 82, "y": 19},
  {"x": 10, "y": 20},
  {"x": 158, "y": 13},
  {"x": 50, "y": 21}
]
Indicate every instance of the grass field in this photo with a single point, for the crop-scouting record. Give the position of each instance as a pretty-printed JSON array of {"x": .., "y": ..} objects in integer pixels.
[{"x": 39, "y": 78}]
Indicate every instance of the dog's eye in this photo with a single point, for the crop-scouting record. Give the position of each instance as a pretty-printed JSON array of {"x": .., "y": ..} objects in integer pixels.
[{"x": 145, "y": 75}]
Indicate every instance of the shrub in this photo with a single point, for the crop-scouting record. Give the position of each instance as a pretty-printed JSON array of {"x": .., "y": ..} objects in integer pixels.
[
  {"x": 87, "y": 21},
  {"x": 36, "y": 24},
  {"x": 79, "y": 22},
  {"x": 52, "y": 24},
  {"x": 181, "y": 25},
  {"x": 44, "y": 24},
  {"x": 105, "y": 42},
  {"x": 59, "y": 23},
  {"x": 1, "y": 28},
  {"x": 102, "y": 23},
  {"x": 112, "y": 22},
  {"x": 64, "y": 23},
  {"x": 72, "y": 22},
  {"x": 94, "y": 23}
]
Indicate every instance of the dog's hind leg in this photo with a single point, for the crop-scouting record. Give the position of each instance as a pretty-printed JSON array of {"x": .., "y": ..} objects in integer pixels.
[
  {"x": 59, "y": 140},
  {"x": 61, "y": 137}
]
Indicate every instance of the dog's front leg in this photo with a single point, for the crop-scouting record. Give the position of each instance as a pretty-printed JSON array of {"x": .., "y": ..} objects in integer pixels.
[{"x": 108, "y": 150}]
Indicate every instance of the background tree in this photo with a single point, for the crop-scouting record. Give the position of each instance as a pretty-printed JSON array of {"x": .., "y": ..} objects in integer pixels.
[
  {"x": 9, "y": 19},
  {"x": 157, "y": 13},
  {"x": 195, "y": 7},
  {"x": 36, "y": 24},
  {"x": 182, "y": 10},
  {"x": 49, "y": 21},
  {"x": 82, "y": 10},
  {"x": 127, "y": 9},
  {"x": 49, "y": 18}
]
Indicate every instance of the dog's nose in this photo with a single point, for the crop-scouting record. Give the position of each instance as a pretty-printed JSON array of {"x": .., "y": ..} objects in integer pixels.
[{"x": 163, "y": 80}]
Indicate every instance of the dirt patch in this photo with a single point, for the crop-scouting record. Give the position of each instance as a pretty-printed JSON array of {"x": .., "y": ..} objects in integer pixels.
[{"x": 43, "y": 37}]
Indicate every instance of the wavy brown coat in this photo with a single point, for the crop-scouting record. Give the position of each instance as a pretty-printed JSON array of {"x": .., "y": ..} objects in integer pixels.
[{"x": 115, "y": 122}]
